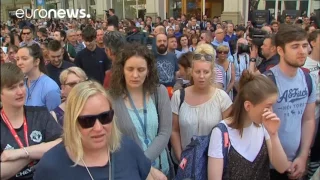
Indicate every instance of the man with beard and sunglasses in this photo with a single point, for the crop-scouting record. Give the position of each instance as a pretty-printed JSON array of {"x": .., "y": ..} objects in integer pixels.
[
  {"x": 167, "y": 62},
  {"x": 296, "y": 102}
]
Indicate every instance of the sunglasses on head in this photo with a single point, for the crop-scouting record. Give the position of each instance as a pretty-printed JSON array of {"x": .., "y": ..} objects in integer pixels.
[
  {"x": 88, "y": 121},
  {"x": 223, "y": 52},
  {"x": 207, "y": 57}
]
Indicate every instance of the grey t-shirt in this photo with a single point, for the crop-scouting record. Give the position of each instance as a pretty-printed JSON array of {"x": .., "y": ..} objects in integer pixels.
[{"x": 290, "y": 106}]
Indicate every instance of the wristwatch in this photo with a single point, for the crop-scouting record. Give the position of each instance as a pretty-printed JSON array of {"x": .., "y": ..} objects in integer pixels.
[{"x": 253, "y": 60}]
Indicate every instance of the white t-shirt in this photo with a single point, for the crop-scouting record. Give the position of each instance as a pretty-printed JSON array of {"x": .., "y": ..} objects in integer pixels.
[
  {"x": 248, "y": 146},
  {"x": 199, "y": 120},
  {"x": 314, "y": 68}
]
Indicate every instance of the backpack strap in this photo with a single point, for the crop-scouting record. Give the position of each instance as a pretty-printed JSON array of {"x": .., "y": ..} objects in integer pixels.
[
  {"x": 270, "y": 75},
  {"x": 308, "y": 81},
  {"x": 182, "y": 94},
  {"x": 308, "y": 78},
  {"x": 225, "y": 144}
]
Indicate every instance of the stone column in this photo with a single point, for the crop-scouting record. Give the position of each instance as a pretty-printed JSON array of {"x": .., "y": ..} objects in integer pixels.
[
  {"x": 152, "y": 9},
  {"x": 232, "y": 11}
]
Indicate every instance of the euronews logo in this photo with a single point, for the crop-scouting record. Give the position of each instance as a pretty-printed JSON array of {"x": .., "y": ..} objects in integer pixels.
[{"x": 52, "y": 13}]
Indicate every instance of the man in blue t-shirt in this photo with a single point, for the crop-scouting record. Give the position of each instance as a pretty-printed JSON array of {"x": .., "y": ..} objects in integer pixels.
[
  {"x": 167, "y": 62},
  {"x": 295, "y": 105}
]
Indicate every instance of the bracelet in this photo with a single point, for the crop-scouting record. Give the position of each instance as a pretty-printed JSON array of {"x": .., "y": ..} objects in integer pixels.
[{"x": 27, "y": 153}]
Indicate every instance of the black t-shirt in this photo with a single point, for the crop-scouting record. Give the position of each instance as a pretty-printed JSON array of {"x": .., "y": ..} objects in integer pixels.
[
  {"x": 129, "y": 163},
  {"x": 54, "y": 72},
  {"x": 93, "y": 63},
  {"x": 41, "y": 128}
]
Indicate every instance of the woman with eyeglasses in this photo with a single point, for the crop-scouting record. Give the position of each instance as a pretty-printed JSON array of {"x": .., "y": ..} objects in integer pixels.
[
  {"x": 227, "y": 68},
  {"x": 202, "y": 106},
  {"x": 68, "y": 79},
  {"x": 252, "y": 131},
  {"x": 93, "y": 147},
  {"x": 41, "y": 89},
  {"x": 26, "y": 132},
  {"x": 141, "y": 105}
]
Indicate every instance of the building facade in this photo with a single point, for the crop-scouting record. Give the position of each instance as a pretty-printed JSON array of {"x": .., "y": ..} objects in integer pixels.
[{"x": 236, "y": 11}]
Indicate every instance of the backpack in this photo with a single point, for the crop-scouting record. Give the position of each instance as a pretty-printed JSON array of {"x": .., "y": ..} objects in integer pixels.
[
  {"x": 194, "y": 163},
  {"x": 182, "y": 94},
  {"x": 308, "y": 78}
]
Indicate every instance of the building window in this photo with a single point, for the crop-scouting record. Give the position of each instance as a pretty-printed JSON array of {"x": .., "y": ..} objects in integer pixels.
[
  {"x": 129, "y": 8},
  {"x": 174, "y": 8}
]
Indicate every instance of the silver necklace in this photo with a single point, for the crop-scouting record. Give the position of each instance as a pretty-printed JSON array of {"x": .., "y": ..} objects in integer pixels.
[
  {"x": 33, "y": 86},
  {"x": 85, "y": 165}
]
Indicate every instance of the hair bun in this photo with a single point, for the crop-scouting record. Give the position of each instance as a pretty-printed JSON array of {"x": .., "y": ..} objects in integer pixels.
[{"x": 246, "y": 77}]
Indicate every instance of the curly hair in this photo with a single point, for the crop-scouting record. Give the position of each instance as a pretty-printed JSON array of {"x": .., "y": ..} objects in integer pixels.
[{"x": 118, "y": 82}]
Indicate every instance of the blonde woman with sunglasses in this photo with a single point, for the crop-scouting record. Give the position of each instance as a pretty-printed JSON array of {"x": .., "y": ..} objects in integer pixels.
[{"x": 92, "y": 146}]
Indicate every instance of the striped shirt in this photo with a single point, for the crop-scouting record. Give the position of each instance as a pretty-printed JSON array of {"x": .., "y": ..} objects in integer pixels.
[{"x": 218, "y": 76}]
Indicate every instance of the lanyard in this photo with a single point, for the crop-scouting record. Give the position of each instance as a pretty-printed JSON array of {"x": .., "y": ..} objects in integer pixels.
[
  {"x": 13, "y": 132},
  {"x": 143, "y": 125}
]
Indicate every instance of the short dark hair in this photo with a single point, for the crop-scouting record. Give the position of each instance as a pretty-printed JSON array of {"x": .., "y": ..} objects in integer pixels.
[
  {"x": 54, "y": 45},
  {"x": 89, "y": 33},
  {"x": 112, "y": 10},
  {"x": 10, "y": 74},
  {"x": 307, "y": 27},
  {"x": 27, "y": 27},
  {"x": 171, "y": 36},
  {"x": 63, "y": 34},
  {"x": 274, "y": 22},
  {"x": 314, "y": 35},
  {"x": 272, "y": 37},
  {"x": 186, "y": 60},
  {"x": 289, "y": 33}
]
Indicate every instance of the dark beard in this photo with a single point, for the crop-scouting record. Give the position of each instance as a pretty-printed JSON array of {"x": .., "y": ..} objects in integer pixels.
[{"x": 162, "y": 49}]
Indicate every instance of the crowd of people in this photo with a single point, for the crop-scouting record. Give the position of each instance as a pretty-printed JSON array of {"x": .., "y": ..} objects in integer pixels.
[{"x": 110, "y": 99}]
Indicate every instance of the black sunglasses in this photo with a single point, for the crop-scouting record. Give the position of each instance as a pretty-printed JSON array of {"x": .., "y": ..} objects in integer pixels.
[
  {"x": 207, "y": 57},
  {"x": 88, "y": 121}
]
